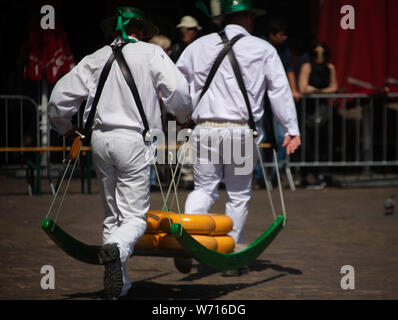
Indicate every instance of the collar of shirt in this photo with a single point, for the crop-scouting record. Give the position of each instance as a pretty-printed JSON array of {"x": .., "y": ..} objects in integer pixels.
[
  {"x": 120, "y": 40},
  {"x": 234, "y": 28}
]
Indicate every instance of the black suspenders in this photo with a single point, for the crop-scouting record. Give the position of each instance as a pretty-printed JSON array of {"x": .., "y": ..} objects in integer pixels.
[
  {"x": 227, "y": 50},
  {"x": 118, "y": 55},
  {"x": 133, "y": 87},
  {"x": 100, "y": 87}
]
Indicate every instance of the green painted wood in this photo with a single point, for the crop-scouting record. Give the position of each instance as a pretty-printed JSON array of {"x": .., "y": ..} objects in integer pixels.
[
  {"x": 89, "y": 253},
  {"x": 227, "y": 261},
  {"x": 220, "y": 261},
  {"x": 71, "y": 246}
]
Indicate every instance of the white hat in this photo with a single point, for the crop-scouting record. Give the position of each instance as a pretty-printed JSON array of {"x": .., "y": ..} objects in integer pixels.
[{"x": 189, "y": 22}]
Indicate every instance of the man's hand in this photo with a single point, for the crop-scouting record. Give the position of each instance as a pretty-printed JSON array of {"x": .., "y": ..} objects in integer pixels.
[
  {"x": 71, "y": 134},
  {"x": 296, "y": 96},
  {"x": 291, "y": 143}
]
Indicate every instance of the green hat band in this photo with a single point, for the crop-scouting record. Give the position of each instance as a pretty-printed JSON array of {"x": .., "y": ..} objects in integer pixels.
[
  {"x": 124, "y": 16},
  {"x": 231, "y": 6},
  {"x": 227, "y": 6}
]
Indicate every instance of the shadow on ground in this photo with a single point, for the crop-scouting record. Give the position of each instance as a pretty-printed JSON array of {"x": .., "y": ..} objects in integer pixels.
[
  {"x": 147, "y": 289},
  {"x": 257, "y": 266}
]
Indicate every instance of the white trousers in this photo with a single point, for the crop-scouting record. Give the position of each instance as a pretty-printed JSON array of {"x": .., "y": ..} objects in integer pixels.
[
  {"x": 207, "y": 176},
  {"x": 122, "y": 164}
]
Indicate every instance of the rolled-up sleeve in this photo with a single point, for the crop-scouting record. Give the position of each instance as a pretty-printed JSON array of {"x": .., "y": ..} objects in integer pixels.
[
  {"x": 172, "y": 85},
  {"x": 66, "y": 98},
  {"x": 280, "y": 95}
]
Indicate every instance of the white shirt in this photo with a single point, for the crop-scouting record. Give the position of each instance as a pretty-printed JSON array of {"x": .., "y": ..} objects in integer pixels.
[
  {"x": 261, "y": 69},
  {"x": 153, "y": 72}
]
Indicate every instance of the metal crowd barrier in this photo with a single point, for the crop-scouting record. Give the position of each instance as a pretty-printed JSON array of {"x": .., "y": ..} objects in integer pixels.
[
  {"x": 347, "y": 130},
  {"x": 20, "y": 121},
  {"x": 337, "y": 130},
  {"x": 21, "y": 148}
]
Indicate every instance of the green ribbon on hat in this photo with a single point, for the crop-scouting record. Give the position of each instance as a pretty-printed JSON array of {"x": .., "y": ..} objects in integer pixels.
[{"x": 124, "y": 16}]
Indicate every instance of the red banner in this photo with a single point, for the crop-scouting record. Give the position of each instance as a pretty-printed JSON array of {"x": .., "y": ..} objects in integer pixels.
[{"x": 366, "y": 56}]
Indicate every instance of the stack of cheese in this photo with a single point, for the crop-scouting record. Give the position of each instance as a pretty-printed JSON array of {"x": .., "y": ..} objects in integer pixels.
[{"x": 208, "y": 229}]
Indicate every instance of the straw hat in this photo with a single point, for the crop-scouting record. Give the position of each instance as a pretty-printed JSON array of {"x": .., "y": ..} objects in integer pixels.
[{"x": 189, "y": 22}]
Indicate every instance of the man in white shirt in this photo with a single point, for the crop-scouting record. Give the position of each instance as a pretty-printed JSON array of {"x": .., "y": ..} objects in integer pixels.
[
  {"x": 122, "y": 157},
  {"x": 222, "y": 109}
]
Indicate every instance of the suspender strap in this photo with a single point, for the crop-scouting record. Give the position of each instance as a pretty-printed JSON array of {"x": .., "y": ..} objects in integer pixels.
[
  {"x": 118, "y": 55},
  {"x": 227, "y": 48},
  {"x": 239, "y": 78},
  {"x": 131, "y": 83},
  {"x": 100, "y": 87}
]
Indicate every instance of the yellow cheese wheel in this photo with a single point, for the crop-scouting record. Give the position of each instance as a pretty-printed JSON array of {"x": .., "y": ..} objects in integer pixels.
[
  {"x": 223, "y": 224},
  {"x": 169, "y": 242},
  {"x": 153, "y": 218},
  {"x": 225, "y": 244},
  {"x": 149, "y": 241},
  {"x": 193, "y": 223}
]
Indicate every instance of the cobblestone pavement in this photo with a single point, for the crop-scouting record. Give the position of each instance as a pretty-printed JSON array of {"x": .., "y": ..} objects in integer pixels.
[{"x": 326, "y": 230}]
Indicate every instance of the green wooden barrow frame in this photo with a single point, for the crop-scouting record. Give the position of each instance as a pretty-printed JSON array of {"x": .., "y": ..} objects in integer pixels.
[{"x": 220, "y": 261}]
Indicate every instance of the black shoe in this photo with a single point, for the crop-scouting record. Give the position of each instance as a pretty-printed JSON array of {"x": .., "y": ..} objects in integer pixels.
[
  {"x": 184, "y": 265},
  {"x": 109, "y": 256},
  {"x": 236, "y": 272}
]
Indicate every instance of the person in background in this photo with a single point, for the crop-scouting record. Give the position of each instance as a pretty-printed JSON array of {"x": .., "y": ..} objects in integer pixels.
[
  {"x": 316, "y": 76},
  {"x": 162, "y": 41},
  {"x": 276, "y": 36},
  {"x": 189, "y": 29}
]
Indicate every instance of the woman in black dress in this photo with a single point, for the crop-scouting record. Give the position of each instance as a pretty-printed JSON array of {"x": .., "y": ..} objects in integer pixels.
[{"x": 316, "y": 76}]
